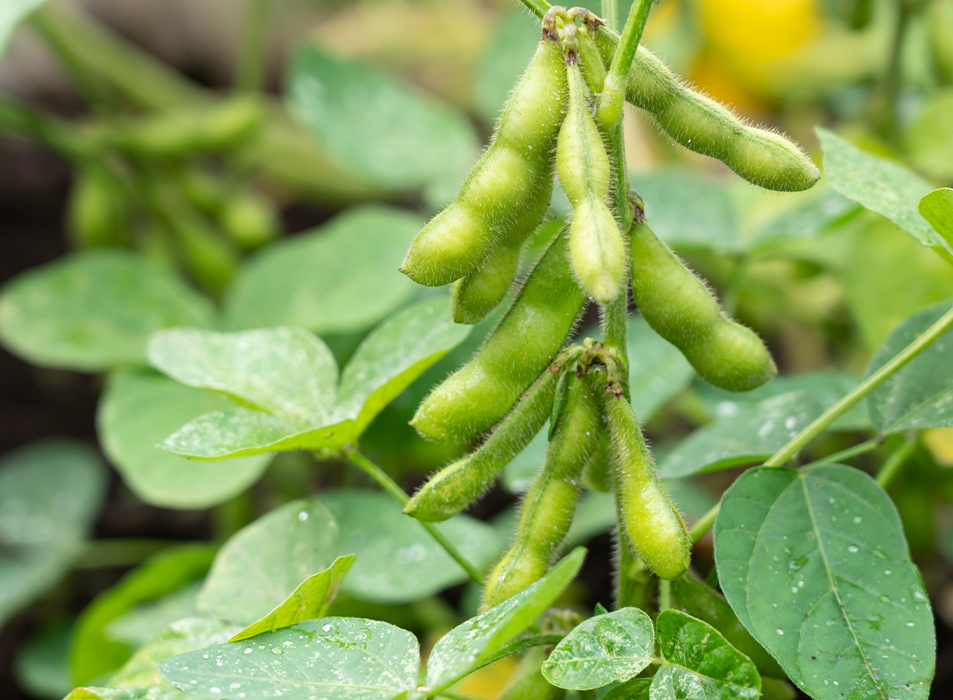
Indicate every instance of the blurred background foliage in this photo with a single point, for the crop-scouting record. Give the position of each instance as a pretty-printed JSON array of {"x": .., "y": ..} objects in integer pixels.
[{"x": 233, "y": 164}]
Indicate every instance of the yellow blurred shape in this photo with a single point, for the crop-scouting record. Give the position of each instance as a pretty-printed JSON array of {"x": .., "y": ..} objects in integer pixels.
[
  {"x": 490, "y": 681},
  {"x": 940, "y": 443}
]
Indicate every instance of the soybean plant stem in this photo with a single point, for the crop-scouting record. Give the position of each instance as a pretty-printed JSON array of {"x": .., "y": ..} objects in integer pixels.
[
  {"x": 861, "y": 449},
  {"x": 664, "y": 595},
  {"x": 790, "y": 450},
  {"x": 631, "y": 36},
  {"x": 53, "y": 133},
  {"x": 703, "y": 524},
  {"x": 253, "y": 55},
  {"x": 610, "y": 14},
  {"x": 537, "y": 7},
  {"x": 894, "y": 462},
  {"x": 394, "y": 489}
]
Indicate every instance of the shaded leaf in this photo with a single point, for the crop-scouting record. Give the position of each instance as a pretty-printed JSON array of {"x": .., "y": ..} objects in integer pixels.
[
  {"x": 603, "y": 649},
  {"x": 881, "y": 186},
  {"x": 333, "y": 658},
  {"x": 353, "y": 112},
  {"x": 137, "y": 411},
  {"x": 700, "y": 663},
  {"x": 263, "y": 563},
  {"x": 919, "y": 395},
  {"x": 145, "y": 621},
  {"x": 41, "y": 665},
  {"x": 469, "y": 645},
  {"x": 309, "y": 601},
  {"x": 50, "y": 495},
  {"x": 339, "y": 278},
  {"x": 815, "y": 565},
  {"x": 809, "y": 215},
  {"x": 397, "y": 559},
  {"x": 94, "y": 310}
]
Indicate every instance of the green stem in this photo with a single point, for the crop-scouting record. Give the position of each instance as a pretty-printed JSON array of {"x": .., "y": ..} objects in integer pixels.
[
  {"x": 790, "y": 450},
  {"x": 53, "y": 133},
  {"x": 894, "y": 463},
  {"x": 703, "y": 524},
  {"x": 664, "y": 595},
  {"x": 631, "y": 36},
  {"x": 537, "y": 7},
  {"x": 253, "y": 55},
  {"x": 892, "y": 76},
  {"x": 394, "y": 489},
  {"x": 861, "y": 449},
  {"x": 610, "y": 14},
  {"x": 120, "y": 552}
]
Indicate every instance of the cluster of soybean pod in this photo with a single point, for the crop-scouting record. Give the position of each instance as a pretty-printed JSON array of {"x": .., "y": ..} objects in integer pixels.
[{"x": 559, "y": 121}]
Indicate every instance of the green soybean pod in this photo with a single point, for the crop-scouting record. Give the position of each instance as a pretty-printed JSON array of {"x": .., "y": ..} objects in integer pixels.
[
  {"x": 550, "y": 504},
  {"x": 680, "y": 308},
  {"x": 596, "y": 475},
  {"x": 483, "y": 289},
  {"x": 702, "y": 125},
  {"x": 97, "y": 213},
  {"x": 457, "y": 485},
  {"x": 649, "y": 520},
  {"x": 596, "y": 249},
  {"x": 506, "y": 180},
  {"x": 519, "y": 348}
]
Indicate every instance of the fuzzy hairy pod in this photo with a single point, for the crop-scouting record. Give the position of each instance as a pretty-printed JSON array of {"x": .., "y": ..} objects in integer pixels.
[
  {"x": 503, "y": 184},
  {"x": 681, "y": 309},
  {"x": 550, "y": 504},
  {"x": 651, "y": 524},
  {"x": 596, "y": 249},
  {"x": 702, "y": 125},
  {"x": 484, "y": 288},
  {"x": 519, "y": 348},
  {"x": 458, "y": 484}
]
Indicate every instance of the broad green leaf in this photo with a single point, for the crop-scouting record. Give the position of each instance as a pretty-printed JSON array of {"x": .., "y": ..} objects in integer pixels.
[
  {"x": 881, "y": 186},
  {"x": 701, "y": 601},
  {"x": 920, "y": 395},
  {"x": 12, "y": 12},
  {"x": 690, "y": 210},
  {"x": 815, "y": 565},
  {"x": 393, "y": 356},
  {"x": 700, "y": 663},
  {"x": 635, "y": 689},
  {"x": 384, "y": 130},
  {"x": 657, "y": 370},
  {"x": 510, "y": 48},
  {"x": 937, "y": 208},
  {"x": 397, "y": 559},
  {"x": 882, "y": 293},
  {"x": 94, "y": 310},
  {"x": 263, "y": 563},
  {"x": 469, "y": 645},
  {"x": 827, "y": 385},
  {"x": 145, "y": 621},
  {"x": 181, "y": 636},
  {"x": 753, "y": 433},
  {"x": 339, "y": 278},
  {"x": 807, "y": 216},
  {"x": 602, "y": 650},
  {"x": 166, "y": 692},
  {"x": 41, "y": 665},
  {"x": 333, "y": 658},
  {"x": 309, "y": 601},
  {"x": 94, "y": 655},
  {"x": 50, "y": 495},
  {"x": 287, "y": 372},
  {"x": 138, "y": 411}
]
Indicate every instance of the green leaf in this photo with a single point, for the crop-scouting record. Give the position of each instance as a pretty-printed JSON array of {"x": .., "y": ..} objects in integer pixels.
[
  {"x": 94, "y": 655},
  {"x": 880, "y": 293},
  {"x": 393, "y": 356},
  {"x": 808, "y": 216},
  {"x": 50, "y": 495},
  {"x": 41, "y": 665},
  {"x": 333, "y": 658},
  {"x": 309, "y": 601},
  {"x": 815, "y": 565},
  {"x": 657, "y": 370},
  {"x": 287, "y": 372},
  {"x": 700, "y": 601},
  {"x": 137, "y": 411},
  {"x": 753, "y": 433},
  {"x": 920, "y": 395},
  {"x": 881, "y": 186},
  {"x": 602, "y": 650},
  {"x": 690, "y": 210},
  {"x": 181, "y": 636},
  {"x": 94, "y": 310},
  {"x": 12, "y": 12},
  {"x": 384, "y": 130},
  {"x": 929, "y": 139},
  {"x": 263, "y": 563},
  {"x": 469, "y": 645},
  {"x": 145, "y": 621},
  {"x": 700, "y": 663},
  {"x": 827, "y": 385},
  {"x": 155, "y": 693},
  {"x": 397, "y": 559},
  {"x": 339, "y": 278},
  {"x": 635, "y": 689},
  {"x": 937, "y": 208}
]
